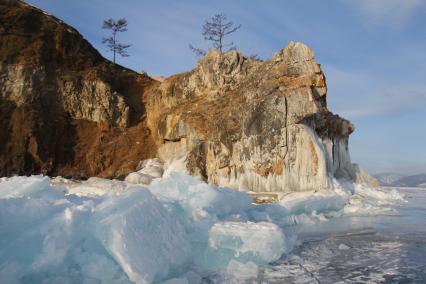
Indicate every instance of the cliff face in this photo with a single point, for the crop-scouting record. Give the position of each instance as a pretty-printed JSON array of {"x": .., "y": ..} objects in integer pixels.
[
  {"x": 253, "y": 125},
  {"x": 65, "y": 110},
  {"x": 248, "y": 124}
]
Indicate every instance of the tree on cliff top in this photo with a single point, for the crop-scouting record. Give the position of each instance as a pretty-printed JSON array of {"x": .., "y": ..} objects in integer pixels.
[
  {"x": 215, "y": 30},
  {"x": 111, "y": 42}
]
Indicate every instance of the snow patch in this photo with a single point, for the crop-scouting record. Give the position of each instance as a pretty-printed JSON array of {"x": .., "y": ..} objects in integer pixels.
[{"x": 149, "y": 169}]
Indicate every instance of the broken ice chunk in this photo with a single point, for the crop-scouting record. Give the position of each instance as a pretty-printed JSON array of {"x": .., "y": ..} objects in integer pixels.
[{"x": 259, "y": 243}]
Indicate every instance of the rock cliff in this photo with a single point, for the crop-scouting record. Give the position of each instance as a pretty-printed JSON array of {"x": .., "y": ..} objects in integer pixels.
[
  {"x": 64, "y": 109},
  {"x": 253, "y": 125}
]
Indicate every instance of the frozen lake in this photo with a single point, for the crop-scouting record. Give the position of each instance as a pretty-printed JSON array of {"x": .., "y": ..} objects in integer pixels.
[
  {"x": 370, "y": 249},
  {"x": 181, "y": 230}
]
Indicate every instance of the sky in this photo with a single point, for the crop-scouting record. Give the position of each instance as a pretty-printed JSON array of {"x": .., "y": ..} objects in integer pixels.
[{"x": 373, "y": 53}]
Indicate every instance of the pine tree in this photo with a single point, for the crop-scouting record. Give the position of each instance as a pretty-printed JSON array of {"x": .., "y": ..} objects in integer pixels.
[{"x": 111, "y": 42}]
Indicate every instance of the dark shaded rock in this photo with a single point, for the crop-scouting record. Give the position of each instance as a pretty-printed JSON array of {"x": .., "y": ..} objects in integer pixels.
[{"x": 65, "y": 110}]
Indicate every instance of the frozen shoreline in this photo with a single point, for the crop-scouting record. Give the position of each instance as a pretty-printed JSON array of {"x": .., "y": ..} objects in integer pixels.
[
  {"x": 360, "y": 249},
  {"x": 175, "y": 228}
]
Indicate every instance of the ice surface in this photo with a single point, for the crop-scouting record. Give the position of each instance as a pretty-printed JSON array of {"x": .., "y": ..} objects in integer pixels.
[
  {"x": 321, "y": 201},
  {"x": 141, "y": 235},
  {"x": 175, "y": 229},
  {"x": 382, "y": 197},
  {"x": 188, "y": 278},
  {"x": 92, "y": 187},
  {"x": 123, "y": 237},
  {"x": 35, "y": 187},
  {"x": 249, "y": 242},
  {"x": 242, "y": 271},
  {"x": 198, "y": 199},
  {"x": 343, "y": 247}
]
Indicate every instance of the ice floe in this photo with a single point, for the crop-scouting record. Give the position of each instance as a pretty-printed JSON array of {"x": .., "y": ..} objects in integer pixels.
[{"x": 173, "y": 228}]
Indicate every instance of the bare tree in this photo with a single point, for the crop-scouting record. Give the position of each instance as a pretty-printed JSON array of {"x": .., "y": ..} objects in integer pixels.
[
  {"x": 111, "y": 42},
  {"x": 215, "y": 30}
]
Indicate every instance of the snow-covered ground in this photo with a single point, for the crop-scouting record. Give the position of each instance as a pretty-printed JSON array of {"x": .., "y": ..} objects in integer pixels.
[{"x": 180, "y": 230}]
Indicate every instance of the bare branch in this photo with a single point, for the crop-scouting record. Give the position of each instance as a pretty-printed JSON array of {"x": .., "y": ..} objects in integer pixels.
[
  {"x": 215, "y": 30},
  {"x": 197, "y": 51}
]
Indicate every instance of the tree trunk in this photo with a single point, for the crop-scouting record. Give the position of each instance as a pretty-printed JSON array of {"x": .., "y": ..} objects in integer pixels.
[{"x": 114, "y": 47}]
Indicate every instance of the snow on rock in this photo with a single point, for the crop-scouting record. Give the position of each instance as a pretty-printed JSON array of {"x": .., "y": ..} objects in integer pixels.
[
  {"x": 152, "y": 167},
  {"x": 176, "y": 164},
  {"x": 149, "y": 169},
  {"x": 138, "y": 178}
]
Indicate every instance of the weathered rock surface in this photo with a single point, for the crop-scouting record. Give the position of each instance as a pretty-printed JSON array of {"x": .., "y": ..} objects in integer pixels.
[
  {"x": 64, "y": 109},
  {"x": 253, "y": 125}
]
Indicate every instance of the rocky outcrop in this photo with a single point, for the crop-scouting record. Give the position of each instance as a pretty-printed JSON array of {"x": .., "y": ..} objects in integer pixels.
[
  {"x": 64, "y": 109},
  {"x": 253, "y": 125}
]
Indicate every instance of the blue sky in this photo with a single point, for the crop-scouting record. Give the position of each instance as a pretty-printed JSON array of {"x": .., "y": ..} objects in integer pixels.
[{"x": 373, "y": 53}]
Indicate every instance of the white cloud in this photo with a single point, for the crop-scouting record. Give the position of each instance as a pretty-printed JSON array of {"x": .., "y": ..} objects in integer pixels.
[
  {"x": 360, "y": 95},
  {"x": 387, "y": 102},
  {"x": 393, "y": 13}
]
